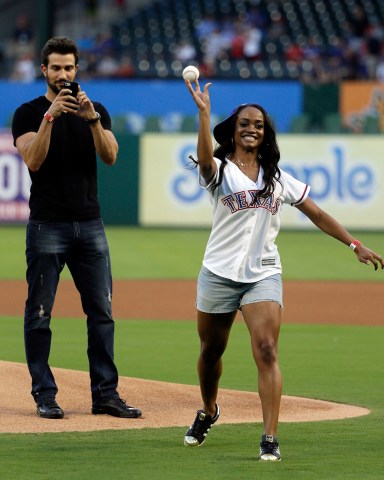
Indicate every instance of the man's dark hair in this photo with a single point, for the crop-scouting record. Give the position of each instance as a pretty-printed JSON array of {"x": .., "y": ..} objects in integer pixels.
[{"x": 61, "y": 45}]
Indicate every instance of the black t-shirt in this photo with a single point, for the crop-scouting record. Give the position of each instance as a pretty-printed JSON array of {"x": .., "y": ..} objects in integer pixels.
[{"x": 65, "y": 186}]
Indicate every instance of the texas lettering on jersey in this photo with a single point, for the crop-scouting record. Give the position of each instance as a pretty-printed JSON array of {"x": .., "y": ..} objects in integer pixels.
[{"x": 248, "y": 199}]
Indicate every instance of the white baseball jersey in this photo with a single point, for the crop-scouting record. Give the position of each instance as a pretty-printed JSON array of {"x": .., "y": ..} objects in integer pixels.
[{"x": 241, "y": 245}]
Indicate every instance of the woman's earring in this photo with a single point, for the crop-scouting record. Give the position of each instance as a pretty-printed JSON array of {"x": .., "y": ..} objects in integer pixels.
[{"x": 259, "y": 156}]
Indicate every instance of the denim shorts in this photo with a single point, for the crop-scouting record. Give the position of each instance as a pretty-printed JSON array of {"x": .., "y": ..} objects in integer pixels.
[{"x": 220, "y": 295}]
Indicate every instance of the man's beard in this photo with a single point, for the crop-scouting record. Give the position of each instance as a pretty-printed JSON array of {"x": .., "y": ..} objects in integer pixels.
[{"x": 53, "y": 86}]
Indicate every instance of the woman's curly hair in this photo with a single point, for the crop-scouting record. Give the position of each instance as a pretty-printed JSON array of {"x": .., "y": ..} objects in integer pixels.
[{"x": 268, "y": 153}]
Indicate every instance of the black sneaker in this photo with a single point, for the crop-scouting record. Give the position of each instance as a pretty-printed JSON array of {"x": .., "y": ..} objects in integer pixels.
[
  {"x": 196, "y": 434},
  {"x": 269, "y": 449},
  {"x": 116, "y": 407},
  {"x": 48, "y": 408}
]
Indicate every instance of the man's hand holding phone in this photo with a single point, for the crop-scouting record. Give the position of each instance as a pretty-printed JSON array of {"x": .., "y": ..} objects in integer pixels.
[{"x": 79, "y": 105}]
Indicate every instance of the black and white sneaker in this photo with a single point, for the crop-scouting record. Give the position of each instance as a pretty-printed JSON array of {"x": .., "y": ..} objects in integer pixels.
[
  {"x": 269, "y": 449},
  {"x": 196, "y": 434}
]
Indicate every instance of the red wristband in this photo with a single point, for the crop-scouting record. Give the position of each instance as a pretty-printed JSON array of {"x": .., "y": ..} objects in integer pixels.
[
  {"x": 354, "y": 244},
  {"x": 48, "y": 117}
]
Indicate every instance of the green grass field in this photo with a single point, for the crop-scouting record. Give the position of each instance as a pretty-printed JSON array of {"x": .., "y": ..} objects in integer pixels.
[{"x": 337, "y": 363}]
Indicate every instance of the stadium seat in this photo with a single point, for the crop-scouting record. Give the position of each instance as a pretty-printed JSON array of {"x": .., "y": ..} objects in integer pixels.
[
  {"x": 300, "y": 123},
  {"x": 371, "y": 125},
  {"x": 333, "y": 123},
  {"x": 188, "y": 124},
  {"x": 152, "y": 124}
]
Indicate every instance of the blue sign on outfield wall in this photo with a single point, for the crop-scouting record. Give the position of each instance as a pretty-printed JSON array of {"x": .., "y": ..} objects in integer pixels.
[{"x": 282, "y": 100}]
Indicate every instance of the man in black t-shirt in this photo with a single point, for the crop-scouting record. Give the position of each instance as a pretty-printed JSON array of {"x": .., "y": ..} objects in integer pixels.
[{"x": 58, "y": 136}]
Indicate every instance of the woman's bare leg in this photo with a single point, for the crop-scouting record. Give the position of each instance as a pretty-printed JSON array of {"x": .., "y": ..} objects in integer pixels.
[
  {"x": 214, "y": 332},
  {"x": 263, "y": 321}
]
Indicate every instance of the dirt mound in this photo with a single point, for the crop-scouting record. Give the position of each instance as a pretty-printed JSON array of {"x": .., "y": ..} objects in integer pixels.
[{"x": 163, "y": 404}]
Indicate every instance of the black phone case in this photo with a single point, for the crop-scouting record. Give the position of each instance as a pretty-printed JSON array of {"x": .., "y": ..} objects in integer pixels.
[{"x": 73, "y": 86}]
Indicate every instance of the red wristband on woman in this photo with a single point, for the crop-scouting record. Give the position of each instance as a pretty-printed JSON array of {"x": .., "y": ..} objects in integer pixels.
[{"x": 354, "y": 244}]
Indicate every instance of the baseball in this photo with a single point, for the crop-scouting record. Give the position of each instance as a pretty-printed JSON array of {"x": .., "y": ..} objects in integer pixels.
[{"x": 191, "y": 73}]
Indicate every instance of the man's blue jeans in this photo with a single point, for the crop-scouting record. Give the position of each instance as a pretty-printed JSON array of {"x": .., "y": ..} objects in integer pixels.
[{"x": 83, "y": 247}]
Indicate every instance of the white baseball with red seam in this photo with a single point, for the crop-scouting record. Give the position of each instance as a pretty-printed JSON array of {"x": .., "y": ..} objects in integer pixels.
[{"x": 191, "y": 73}]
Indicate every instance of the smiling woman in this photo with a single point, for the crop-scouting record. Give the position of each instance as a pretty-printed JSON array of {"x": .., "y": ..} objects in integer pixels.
[{"x": 241, "y": 266}]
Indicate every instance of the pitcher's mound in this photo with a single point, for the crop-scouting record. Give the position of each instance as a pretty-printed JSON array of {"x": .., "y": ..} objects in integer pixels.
[{"x": 163, "y": 404}]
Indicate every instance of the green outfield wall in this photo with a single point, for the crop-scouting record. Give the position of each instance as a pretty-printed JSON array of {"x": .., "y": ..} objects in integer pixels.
[{"x": 119, "y": 185}]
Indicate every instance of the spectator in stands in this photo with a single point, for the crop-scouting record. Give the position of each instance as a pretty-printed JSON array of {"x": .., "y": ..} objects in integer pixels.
[
  {"x": 89, "y": 64},
  {"x": 105, "y": 44},
  {"x": 355, "y": 68},
  {"x": 22, "y": 39},
  {"x": 237, "y": 42},
  {"x": 380, "y": 68},
  {"x": 336, "y": 47},
  {"x": 108, "y": 65},
  {"x": 24, "y": 69},
  {"x": 312, "y": 49},
  {"x": 373, "y": 43},
  {"x": 252, "y": 42},
  {"x": 86, "y": 42},
  {"x": 293, "y": 52},
  {"x": 23, "y": 32},
  {"x": 213, "y": 46},
  {"x": 206, "y": 26},
  {"x": 228, "y": 27},
  {"x": 359, "y": 22},
  {"x": 185, "y": 51},
  {"x": 125, "y": 68},
  {"x": 276, "y": 28},
  {"x": 257, "y": 17}
]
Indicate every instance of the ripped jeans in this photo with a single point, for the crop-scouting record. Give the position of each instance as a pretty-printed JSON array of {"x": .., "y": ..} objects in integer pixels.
[{"x": 83, "y": 247}]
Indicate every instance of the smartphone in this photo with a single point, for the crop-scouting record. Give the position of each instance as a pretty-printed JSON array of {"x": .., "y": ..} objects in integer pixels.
[{"x": 73, "y": 86}]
